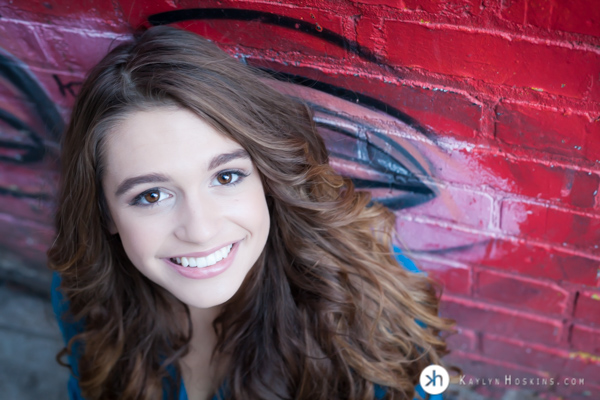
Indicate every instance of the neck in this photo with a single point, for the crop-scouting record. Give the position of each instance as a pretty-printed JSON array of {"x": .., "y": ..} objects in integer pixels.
[
  {"x": 202, "y": 373},
  {"x": 204, "y": 337}
]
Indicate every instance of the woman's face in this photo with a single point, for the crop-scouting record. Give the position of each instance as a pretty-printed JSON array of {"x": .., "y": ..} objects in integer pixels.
[{"x": 187, "y": 202}]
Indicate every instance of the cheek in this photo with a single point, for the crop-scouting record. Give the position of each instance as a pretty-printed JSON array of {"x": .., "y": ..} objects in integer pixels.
[
  {"x": 140, "y": 239},
  {"x": 251, "y": 212},
  {"x": 258, "y": 211}
]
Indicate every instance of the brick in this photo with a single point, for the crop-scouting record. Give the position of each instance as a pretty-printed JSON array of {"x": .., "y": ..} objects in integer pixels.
[
  {"x": 587, "y": 308},
  {"x": 78, "y": 51},
  {"x": 551, "y": 225},
  {"x": 277, "y": 37},
  {"x": 457, "y": 205},
  {"x": 464, "y": 340},
  {"x": 500, "y": 321},
  {"x": 103, "y": 9},
  {"x": 514, "y": 10},
  {"x": 478, "y": 168},
  {"x": 454, "y": 279},
  {"x": 523, "y": 293},
  {"x": 493, "y": 58},
  {"x": 20, "y": 40},
  {"x": 577, "y": 16},
  {"x": 526, "y": 354},
  {"x": 572, "y": 135},
  {"x": 454, "y": 7},
  {"x": 529, "y": 260},
  {"x": 370, "y": 35},
  {"x": 585, "y": 339},
  {"x": 88, "y": 14},
  {"x": 463, "y": 8},
  {"x": 584, "y": 365},
  {"x": 444, "y": 113},
  {"x": 390, "y": 3},
  {"x": 136, "y": 13},
  {"x": 426, "y": 237}
]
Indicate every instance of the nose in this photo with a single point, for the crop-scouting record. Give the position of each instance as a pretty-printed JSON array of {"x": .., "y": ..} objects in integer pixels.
[{"x": 198, "y": 220}]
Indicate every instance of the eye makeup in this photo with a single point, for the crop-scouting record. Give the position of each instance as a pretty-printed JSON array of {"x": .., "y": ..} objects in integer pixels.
[{"x": 141, "y": 201}]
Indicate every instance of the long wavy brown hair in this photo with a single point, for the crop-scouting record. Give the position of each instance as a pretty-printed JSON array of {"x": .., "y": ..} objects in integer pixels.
[{"x": 325, "y": 313}]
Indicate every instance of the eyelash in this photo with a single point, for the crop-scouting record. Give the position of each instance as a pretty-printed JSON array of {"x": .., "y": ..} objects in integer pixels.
[{"x": 137, "y": 200}]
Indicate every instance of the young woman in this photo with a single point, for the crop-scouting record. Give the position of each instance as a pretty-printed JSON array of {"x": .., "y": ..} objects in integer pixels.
[{"x": 204, "y": 247}]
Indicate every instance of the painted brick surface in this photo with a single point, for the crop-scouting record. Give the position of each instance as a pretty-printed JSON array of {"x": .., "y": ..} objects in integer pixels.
[
  {"x": 460, "y": 206},
  {"x": 587, "y": 308},
  {"x": 464, "y": 340},
  {"x": 533, "y": 261},
  {"x": 103, "y": 15},
  {"x": 497, "y": 101},
  {"x": 480, "y": 317},
  {"x": 530, "y": 355},
  {"x": 458, "y": 276},
  {"x": 579, "y": 16},
  {"x": 76, "y": 51},
  {"x": 522, "y": 176},
  {"x": 442, "y": 111},
  {"x": 525, "y": 294},
  {"x": 469, "y": 7},
  {"x": 553, "y": 225},
  {"x": 493, "y": 58},
  {"x": 575, "y": 136},
  {"x": 585, "y": 339}
]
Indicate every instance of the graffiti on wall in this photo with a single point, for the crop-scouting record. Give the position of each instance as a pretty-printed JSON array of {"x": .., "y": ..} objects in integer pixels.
[{"x": 486, "y": 200}]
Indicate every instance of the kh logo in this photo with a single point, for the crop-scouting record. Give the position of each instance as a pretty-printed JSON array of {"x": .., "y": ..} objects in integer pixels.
[{"x": 434, "y": 379}]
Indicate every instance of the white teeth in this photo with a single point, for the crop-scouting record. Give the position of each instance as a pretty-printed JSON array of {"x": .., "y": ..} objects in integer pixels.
[
  {"x": 207, "y": 261},
  {"x": 211, "y": 259}
]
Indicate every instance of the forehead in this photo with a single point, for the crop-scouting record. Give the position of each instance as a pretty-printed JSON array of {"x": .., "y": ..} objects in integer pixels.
[{"x": 162, "y": 138}]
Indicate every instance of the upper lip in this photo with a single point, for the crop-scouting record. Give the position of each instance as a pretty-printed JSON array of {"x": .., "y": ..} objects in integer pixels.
[{"x": 204, "y": 253}]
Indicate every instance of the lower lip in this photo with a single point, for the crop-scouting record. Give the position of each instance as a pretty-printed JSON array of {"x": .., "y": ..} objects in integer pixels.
[{"x": 206, "y": 272}]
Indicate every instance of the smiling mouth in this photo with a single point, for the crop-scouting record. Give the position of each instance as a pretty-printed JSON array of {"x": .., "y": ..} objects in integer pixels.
[{"x": 203, "y": 262}]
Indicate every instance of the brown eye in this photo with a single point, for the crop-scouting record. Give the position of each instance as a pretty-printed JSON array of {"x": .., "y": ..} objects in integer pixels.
[
  {"x": 225, "y": 178},
  {"x": 152, "y": 197}
]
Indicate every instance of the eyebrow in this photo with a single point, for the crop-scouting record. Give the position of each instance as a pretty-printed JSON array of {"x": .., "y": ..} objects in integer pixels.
[
  {"x": 217, "y": 161},
  {"x": 129, "y": 183},
  {"x": 225, "y": 158}
]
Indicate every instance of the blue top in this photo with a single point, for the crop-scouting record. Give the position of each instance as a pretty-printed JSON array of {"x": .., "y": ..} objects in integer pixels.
[{"x": 71, "y": 328}]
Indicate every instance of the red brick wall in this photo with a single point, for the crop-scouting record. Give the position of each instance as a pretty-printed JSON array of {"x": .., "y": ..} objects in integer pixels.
[{"x": 499, "y": 100}]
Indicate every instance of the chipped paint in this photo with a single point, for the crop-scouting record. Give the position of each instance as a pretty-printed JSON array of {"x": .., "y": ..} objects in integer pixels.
[{"x": 580, "y": 355}]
